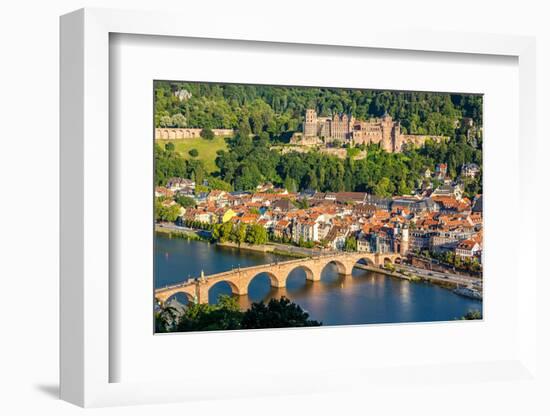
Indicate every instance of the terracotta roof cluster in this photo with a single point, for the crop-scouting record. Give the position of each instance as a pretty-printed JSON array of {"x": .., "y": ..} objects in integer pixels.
[
  {"x": 162, "y": 190},
  {"x": 337, "y": 213}
]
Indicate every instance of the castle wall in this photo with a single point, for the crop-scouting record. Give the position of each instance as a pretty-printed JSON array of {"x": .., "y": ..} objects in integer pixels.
[{"x": 416, "y": 140}]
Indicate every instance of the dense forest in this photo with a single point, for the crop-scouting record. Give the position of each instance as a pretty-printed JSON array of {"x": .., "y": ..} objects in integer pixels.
[
  {"x": 263, "y": 115},
  {"x": 279, "y": 110},
  {"x": 250, "y": 162}
]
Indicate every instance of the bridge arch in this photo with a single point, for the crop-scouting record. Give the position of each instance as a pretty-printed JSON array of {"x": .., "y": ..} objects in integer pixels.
[
  {"x": 190, "y": 298},
  {"x": 274, "y": 280},
  {"x": 235, "y": 290},
  {"x": 341, "y": 267},
  {"x": 366, "y": 260},
  {"x": 310, "y": 274},
  {"x": 187, "y": 291},
  {"x": 298, "y": 275}
]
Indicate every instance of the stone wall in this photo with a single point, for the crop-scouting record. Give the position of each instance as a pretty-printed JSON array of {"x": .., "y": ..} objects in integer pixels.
[
  {"x": 415, "y": 139},
  {"x": 168, "y": 133}
]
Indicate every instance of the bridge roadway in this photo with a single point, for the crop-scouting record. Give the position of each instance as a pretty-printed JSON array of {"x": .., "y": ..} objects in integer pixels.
[{"x": 239, "y": 279}]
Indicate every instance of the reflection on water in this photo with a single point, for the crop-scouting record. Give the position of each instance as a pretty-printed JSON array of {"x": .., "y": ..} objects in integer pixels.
[{"x": 364, "y": 297}]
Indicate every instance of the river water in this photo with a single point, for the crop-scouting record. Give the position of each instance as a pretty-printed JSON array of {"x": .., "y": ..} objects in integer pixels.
[{"x": 365, "y": 297}]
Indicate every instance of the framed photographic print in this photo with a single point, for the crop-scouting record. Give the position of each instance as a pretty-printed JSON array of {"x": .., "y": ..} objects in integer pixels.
[
  {"x": 280, "y": 206},
  {"x": 295, "y": 212}
]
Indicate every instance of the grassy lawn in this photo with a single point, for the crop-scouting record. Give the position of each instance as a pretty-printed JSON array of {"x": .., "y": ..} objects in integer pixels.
[{"x": 207, "y": 149}]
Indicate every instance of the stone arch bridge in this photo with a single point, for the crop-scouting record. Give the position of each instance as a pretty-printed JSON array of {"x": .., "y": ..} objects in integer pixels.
[{"x": 239, "y": 279}]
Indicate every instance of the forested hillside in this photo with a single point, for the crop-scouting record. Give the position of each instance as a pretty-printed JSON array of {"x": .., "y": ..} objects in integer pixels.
[
  {"x": 278, "y": 110},
  {"x": 264, "y": 115}
]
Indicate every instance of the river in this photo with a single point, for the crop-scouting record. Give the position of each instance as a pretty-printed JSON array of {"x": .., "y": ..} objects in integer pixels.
[{"x": 365, "y": 297}]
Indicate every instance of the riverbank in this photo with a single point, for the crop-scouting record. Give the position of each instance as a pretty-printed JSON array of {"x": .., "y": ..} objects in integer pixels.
[
  {"x": 175, "y": 233},
  {"x": 280, "y": 249},
  {"x": 191, "y": 234},
  {"x": 410, "y": 276},
  {"x": 262, "y": 248},
  {"x": 388, "y": 272}
]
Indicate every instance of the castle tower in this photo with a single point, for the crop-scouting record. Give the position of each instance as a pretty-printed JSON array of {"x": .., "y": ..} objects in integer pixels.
[
  {"x": 386, "y": 124},
  {"x": 335, "y": 126},
  {"x": 310, "y": 123},
  {"x": 344, "y": 130},
  {"x": 351, "y": 125}
]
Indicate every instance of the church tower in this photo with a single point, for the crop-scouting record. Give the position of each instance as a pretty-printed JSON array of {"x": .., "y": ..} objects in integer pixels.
[{"x": 404, "y": 248}]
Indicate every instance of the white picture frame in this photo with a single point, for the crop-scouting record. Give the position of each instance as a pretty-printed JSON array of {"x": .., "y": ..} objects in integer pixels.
[{"x": 86, "y": 355}]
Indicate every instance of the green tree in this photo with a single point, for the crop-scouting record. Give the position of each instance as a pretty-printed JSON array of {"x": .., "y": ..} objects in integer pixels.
[
  {"x": 225, "y": 315},
  {"x": 249, "y": 177},
  {"x": 216, "y": 232},
  {"x": 186, "y": 201},
  {"x": 256, "y": 234},
  {"x": 472, "y": 315},
  {"x": 281, "y": 313},
  {"x": 222, "y": 232},
  {"x": 169, "y": 164},
  {"x": 238, "y": 234},
  {"x": 179, "y": 120},
  {"x": 217, "y": 183},
  {"x": 166, "y": 213},
  {"x": 384, "y": 187},
  {"x": 165, "y": 121},
  {"x": 193, "y": 152},
  {"x": 290, "y": 185},
  {"x": 197, "y": 172},
  {"x": 350, "y": 244},
  {"x": 207, "y": 134},
  {"x": 169, "y": 147}
]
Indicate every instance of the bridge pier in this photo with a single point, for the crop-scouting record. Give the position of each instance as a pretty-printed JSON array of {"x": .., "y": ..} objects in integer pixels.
[
  {"x": 314, "y": 277},
  {"x": 240, "y": 290},
  {"x": 202, "y": 292},
  {"x": 277, "y": 283}
]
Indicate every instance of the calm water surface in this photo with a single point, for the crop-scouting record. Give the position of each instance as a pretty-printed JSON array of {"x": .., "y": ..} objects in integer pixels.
[{"x": 365, "y": 297}]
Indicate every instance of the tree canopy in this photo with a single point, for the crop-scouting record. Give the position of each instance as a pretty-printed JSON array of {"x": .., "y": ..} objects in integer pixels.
[
  {"x": 250, "y": 161},
  {"x": 226, "y": 315},
  {"x": 277, "y": 110}
]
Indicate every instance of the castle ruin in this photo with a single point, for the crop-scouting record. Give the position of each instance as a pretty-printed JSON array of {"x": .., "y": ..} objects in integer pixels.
[{"x": 346, "y": 129}]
